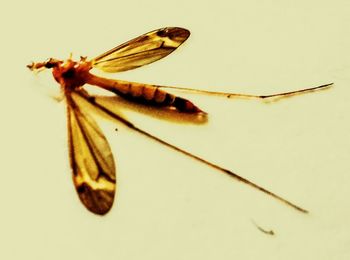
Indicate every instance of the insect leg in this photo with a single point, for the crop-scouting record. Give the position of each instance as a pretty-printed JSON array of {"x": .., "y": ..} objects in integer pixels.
[
  {"x": 237, "y": 95},
  {"x": 129, "y": 124}
]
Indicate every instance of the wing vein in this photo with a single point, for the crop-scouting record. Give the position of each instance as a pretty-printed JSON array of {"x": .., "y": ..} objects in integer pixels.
[
  {"x": 91, "y": 159},
  {"x": 142, "y": 50}
]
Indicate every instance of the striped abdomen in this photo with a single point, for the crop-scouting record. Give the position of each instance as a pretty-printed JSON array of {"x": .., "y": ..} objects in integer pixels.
[{"x": 144, "y": 93}]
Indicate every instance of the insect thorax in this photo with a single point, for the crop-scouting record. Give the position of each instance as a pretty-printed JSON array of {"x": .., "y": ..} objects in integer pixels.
[{"x": 71, "y": 74}]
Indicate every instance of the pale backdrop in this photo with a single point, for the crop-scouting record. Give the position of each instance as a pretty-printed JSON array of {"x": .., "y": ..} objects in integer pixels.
[{"x": 169, "y": 206}]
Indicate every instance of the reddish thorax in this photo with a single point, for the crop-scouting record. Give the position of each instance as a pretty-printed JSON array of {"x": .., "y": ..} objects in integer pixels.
[{"x": 71, "y": 74}]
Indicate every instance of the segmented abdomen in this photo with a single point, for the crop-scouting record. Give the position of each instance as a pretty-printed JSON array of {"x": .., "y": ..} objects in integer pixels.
[{"x": 144, "y": 93}]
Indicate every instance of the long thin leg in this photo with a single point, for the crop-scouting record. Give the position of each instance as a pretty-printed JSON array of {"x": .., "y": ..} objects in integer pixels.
[
  {"x": 127, "y": 123},
  {"x": 234, "y": 95}
]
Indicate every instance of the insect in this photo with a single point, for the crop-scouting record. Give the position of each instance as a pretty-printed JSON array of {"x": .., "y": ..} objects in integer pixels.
[{"x": 91, "y": 159}]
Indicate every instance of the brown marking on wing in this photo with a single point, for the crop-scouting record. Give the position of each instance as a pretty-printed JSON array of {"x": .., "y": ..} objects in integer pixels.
[
  {"x": 91, "y": 159},
  {"x": 142, "y": 50},
  {"x": 98, "y": 201}
]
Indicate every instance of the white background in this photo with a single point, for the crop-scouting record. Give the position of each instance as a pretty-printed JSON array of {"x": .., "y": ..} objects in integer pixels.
[{"x": 169, "y": 206}]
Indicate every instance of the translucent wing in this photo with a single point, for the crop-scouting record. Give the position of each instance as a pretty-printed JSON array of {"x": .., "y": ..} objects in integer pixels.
[
  {"x": 91, "y": 159},
  {"x": 142, "y": 50}
]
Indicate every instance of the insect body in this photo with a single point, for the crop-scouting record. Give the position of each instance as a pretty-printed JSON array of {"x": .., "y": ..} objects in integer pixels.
[{"x": 91, "y": 158}]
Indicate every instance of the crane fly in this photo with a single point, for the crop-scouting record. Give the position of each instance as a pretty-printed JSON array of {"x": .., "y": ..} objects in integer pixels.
[{"x": 91, "y": 158}]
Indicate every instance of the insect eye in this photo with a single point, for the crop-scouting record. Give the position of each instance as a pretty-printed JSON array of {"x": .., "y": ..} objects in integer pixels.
[{"x": 50, "y": 63}]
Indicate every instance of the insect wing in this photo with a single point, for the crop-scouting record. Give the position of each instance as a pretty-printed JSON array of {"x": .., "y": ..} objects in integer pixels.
[
  {"x": 142, "y": 50},
  {"x": 91, "y": 159}
]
